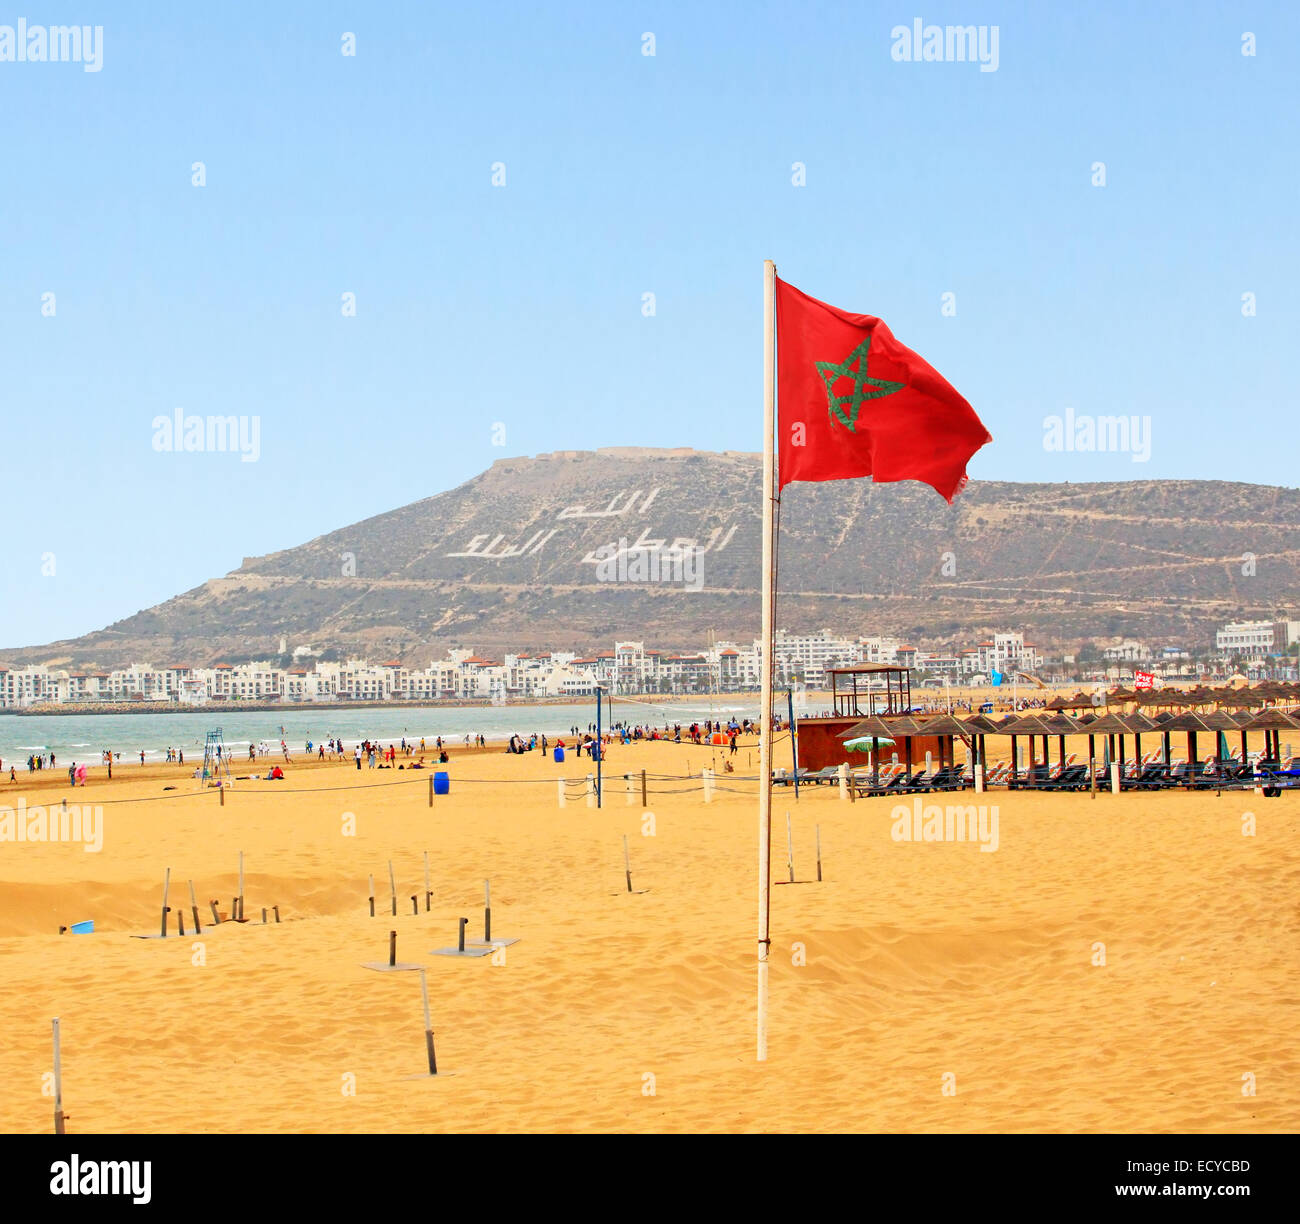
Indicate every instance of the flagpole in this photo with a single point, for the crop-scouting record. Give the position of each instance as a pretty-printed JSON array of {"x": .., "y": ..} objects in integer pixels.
[{"x": 765, "y": 711}]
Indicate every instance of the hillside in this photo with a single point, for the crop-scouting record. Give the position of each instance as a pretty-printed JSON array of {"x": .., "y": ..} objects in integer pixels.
[{"x": 508, "y": 560}]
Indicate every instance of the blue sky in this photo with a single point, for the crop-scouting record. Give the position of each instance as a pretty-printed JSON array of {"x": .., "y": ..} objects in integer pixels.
[{"x": 625, "y": 174}]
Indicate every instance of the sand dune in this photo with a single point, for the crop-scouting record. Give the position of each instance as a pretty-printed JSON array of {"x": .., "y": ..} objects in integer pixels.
[{"x": 921, "y": 961}]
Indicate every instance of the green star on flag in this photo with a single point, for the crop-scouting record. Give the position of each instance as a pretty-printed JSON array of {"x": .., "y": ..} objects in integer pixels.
[
  {"x": 921, "y": 430},
  {"x": 832, "y": 373}
]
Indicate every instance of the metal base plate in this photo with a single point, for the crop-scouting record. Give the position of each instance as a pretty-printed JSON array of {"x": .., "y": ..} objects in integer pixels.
[
  {"x": 469, "y": 950},
  {"x": 424, "y": 1075},
  {"x": 490, "y": 943},
  {"x": 385, "y": 967}
]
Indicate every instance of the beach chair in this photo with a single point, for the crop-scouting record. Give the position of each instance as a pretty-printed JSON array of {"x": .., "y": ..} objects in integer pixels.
[
  {"x": 1039, "y": 775},
  {"x": 1151, "y": 777},
  {"x": 1073, "y": 777},
  {"x": 948, "y": 778}
]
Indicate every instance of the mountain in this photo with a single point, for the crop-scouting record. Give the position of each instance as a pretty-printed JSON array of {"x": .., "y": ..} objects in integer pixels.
[{"x": 509, "y": 560}]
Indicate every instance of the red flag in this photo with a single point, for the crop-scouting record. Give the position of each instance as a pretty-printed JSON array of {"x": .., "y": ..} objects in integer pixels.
[
  {"x": 1144, "y": 680},
  {"x": 853, "y": 401}
]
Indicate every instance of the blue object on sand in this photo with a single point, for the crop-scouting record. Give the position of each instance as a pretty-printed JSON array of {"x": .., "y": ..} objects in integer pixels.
[
  {"x": 559, "y": 755},
  {"x": 441, "y": 782},
  {"x": 83, "y": 928}
]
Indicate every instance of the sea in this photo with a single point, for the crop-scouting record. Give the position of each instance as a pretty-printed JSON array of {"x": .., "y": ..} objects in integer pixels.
[{"x": 78, "y": 738}]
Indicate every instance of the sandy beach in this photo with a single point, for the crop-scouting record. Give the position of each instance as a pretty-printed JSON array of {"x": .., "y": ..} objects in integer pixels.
[{"x": 922, "y": 961}]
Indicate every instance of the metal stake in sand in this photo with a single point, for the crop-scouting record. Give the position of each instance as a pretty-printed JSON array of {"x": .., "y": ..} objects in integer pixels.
[
  {"x": 428, "y": 1024},
  {"x": 789, "y": 847},
  {"x": 372, "y": 895},
  {"x": 392, "y": 886},
  {"x": 392, "y": 965},
  {"x": 167, "y": 882},
  {"x": 216, "y": 918},
  {"x": 487, "y": 922},
  {"x": 194, "y": 909},
  {"x": 819, "y": 854},
  {"x": 475, "y": 949},
  {"x": 59, "y": 1118}
]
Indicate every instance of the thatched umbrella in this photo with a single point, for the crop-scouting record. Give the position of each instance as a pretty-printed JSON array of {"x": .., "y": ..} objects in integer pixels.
[
  {"x": 1109, "y": 725},
  {"x": 1193, "y": 724},
  {"x": 977, "y": 727},
  {"x": 878, "y": 729},
  {"x": 1062, "y": 725},
  {"x": 1272, "y": 722},
  {"x": 1139, "y": 724},
  {"x": 1028, "y": 725},
  {"x": 947, "y": 728}
]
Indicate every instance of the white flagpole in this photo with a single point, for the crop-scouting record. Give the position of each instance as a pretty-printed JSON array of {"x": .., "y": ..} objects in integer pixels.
[{"x": 765, "y": 710}]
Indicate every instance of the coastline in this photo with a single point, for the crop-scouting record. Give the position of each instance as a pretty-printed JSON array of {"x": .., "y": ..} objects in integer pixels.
[{"x": 256, "y": 707}]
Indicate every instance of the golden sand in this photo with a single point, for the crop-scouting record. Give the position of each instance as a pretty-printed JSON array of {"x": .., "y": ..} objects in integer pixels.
[{"x": 923, "y": 961}]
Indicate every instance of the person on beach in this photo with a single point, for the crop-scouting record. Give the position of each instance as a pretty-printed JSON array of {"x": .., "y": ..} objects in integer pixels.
[
  {"x": 358, "y": 757},
  {"x": 141, "y": 756}
]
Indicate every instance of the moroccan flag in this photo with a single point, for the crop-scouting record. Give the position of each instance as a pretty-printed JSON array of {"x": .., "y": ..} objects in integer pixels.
[{"x": 853, "y": 401}]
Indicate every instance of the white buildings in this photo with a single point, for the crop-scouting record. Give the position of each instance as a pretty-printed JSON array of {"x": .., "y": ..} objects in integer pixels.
[
  {"x": 807, "y": 656},
  {"x": 629, "y": 668},
  {"x": 1256, "y": 637}
]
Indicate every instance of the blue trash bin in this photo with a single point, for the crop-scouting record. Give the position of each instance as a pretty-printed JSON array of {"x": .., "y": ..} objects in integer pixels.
[
  {"x": 559, "y": 755},
  {"x": 441, "y": 782}
]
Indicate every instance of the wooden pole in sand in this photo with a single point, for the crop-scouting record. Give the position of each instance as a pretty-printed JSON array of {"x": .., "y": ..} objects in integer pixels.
[
  {"x": 627, "y": 864},
  {"x": 392, "y": 948},
  {"x": 428, "y": 892},
  {"x": 643, "y": 790},
  {"x": 58, "y": 1083},
  {"x": 392, "y": 885},
  {"x": 428, "y": 1024},
  {"x": 768, "y": 630},
  {"x": 487, "y": 911},
  {"x": 789, "y": 847},
  {"x": 431, "y": 790},
  {"x": 167, "y": 882},
  {"x": 372, "y": 895},
  {"x": 194, "y": 909}
]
